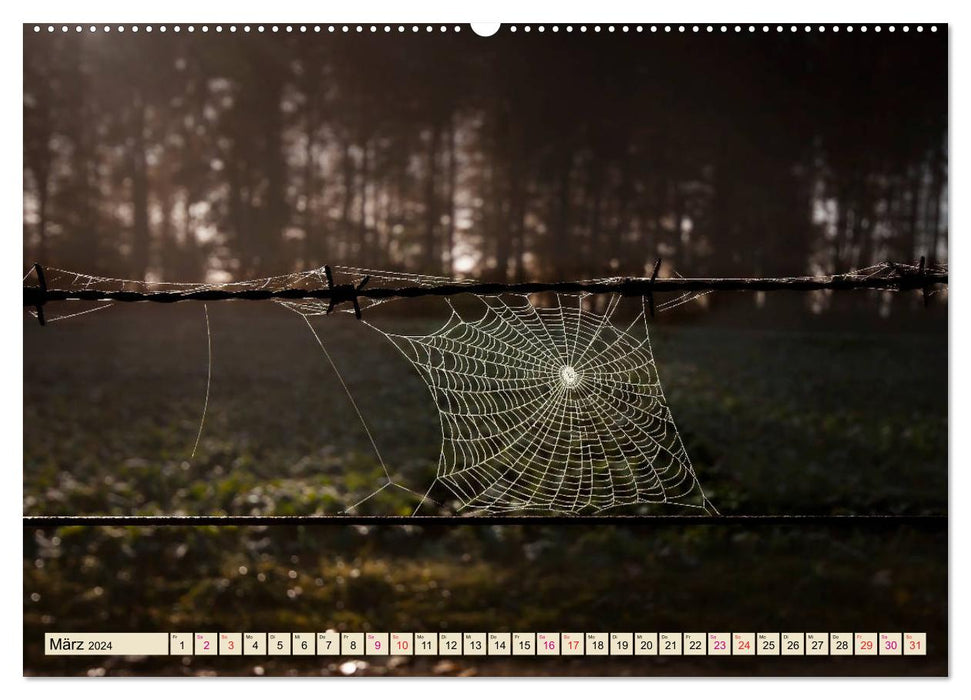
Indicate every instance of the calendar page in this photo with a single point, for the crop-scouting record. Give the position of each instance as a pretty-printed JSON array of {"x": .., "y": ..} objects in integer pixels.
[{"x": 543, "y": 349}]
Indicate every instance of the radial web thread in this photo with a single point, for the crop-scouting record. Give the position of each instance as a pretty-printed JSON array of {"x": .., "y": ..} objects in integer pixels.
[{"x": 552, "y": 409}]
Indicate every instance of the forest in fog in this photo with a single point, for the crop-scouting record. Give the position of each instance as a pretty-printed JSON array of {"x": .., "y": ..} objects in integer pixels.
[{"x": 221, "y": 155}]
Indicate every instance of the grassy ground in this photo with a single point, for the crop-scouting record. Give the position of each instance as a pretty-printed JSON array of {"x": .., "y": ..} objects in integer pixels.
[
  {"x": 775, "y": 422},
  {"x": 514, "y": 578}
]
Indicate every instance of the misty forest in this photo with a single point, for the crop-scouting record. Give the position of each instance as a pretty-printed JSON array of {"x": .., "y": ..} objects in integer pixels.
[{"x": 223, "y": 156}]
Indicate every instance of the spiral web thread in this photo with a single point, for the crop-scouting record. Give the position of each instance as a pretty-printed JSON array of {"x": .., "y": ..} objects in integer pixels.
[{"x": 551, "y": 409}]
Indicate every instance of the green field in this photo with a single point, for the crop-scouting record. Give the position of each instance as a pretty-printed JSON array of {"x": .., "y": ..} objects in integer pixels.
[{"x": 774, "y": 421}]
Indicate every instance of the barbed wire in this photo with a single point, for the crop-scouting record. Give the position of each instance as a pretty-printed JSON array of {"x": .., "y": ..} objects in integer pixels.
[
  {"x": 889, "y": 276},
  {"x": 935, "y": 521}
]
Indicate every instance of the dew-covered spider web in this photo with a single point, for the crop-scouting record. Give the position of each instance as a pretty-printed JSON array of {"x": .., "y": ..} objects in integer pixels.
[
  {"x": 551, "y": 408},
  {"x": 545, "y": 404}
]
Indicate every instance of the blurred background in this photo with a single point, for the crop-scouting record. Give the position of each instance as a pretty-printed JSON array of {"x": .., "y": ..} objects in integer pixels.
[{"x": 218, "y": 156}]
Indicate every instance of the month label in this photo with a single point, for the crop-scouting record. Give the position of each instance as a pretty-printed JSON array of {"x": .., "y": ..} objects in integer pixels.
[{"x": 109, "y": 644}]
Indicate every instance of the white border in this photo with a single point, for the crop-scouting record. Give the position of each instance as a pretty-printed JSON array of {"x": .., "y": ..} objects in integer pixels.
[{"x": 601, "y": 11}]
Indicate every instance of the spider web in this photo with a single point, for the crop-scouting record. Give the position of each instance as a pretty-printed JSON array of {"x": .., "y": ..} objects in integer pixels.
[{"x": 551, "y": 409}]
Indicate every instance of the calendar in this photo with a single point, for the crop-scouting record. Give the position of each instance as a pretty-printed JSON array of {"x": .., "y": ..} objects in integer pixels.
[{"x": 344, "y": 644}]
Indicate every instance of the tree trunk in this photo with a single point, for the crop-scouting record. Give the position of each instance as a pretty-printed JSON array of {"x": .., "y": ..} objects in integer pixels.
[
  {"x": 433, "y": 257},
  {"x": 519, "y": 231},
  {"x": 346, "y": 203},
  {"x": 139, "y": 174},
  {"x": 452, "y": 186},
  {"x": 239, "y": 215},
  {"x": 940, "y": 185},
  {"x": 186, "y": 267},
  {"x": 314, "y": 244},
  {"x": 42, "y": 174},
  {"x": 364, "y": 247},
  {"x": 276, "y": 212},
  {"x": 598, "y": 251},
  {"x": 560, "y": 236},
  {"x": 621, "y": 237},
  {"x": 680, "y": 250},
  {"x": 842, "y": 221}
]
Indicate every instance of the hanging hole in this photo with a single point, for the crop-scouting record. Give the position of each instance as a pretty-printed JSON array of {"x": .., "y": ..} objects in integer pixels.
[{"x": 485, "y": 29}]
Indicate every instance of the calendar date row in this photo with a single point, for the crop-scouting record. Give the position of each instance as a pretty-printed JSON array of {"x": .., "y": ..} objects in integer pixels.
[{"x": 334, "y": 643}]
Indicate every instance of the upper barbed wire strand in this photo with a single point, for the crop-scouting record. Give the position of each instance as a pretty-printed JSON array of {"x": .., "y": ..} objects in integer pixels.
[{"x": 887, "y": 276}]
